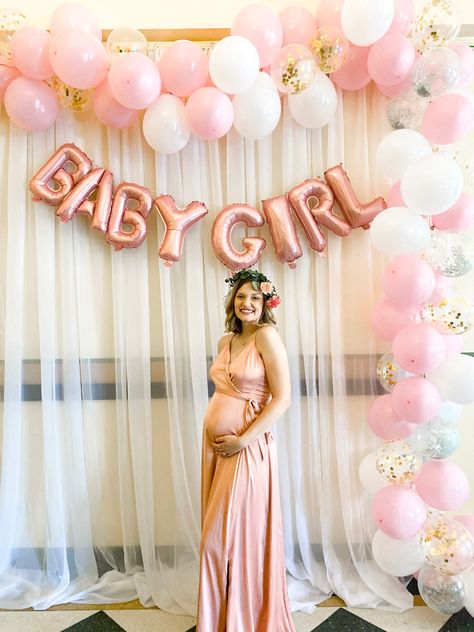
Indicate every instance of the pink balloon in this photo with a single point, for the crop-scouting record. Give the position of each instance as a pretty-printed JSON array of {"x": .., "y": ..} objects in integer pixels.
[
  {"x": 443, "y": 288},
  {"x": 299, "y": 25},
  {"x": 263, "y": 28},
  {"x": 184, "y": 68},
  {"x": 30, "y": 52},
  {"x": 221, "y": 241},
  {"x": 398, "y": 511},
  {"x": 408, "y": 280},
  {"x": 134, "y": 80},
  {"x": 458, "y": 217},
  {"x": 354, "y": 74},
  {"x": 385, "y": 423},
  {"x": 390, "y": 59},
  {"x": 416, "y": 399},
  {"x": 7, "y": 74},
  {"x": 467, "y": 521},
  {"x": 448, "y": 118},
  {"x": 466, "y": 55},
  {"x": 78, "y": 58},
  {"x": 121, "y": 215},
  {"x": 73, "y": 15},
  {"x": 396, "y": 89},
  {"x": 209, "y": 113},
  {"x": 177, "y": 221},
  {"x": 277, "y": 211},
  {"x": 403, "y": 18},
  {"x": 394, "y": 197},
  {"x": 328, "y": 13},
  {"x": 419, "y": 348},
  {"x": 109, "y": 111},
  {"x": 31, "y": 104},
  {"x": 454, "y": 343},
  {"x": 388, "y": 319},
  {"x": 442, "y": 484}
]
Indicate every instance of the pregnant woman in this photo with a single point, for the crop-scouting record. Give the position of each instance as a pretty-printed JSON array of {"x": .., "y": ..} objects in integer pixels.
[{"x": 242, "y": 583}]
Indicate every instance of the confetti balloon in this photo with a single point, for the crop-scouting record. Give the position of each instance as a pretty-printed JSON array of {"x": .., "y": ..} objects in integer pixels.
[
  {"x": 389, "y": 373},
  {"x": 10, "y": 21},
  {"x": 330, "y": 48},
  {"x": 435, "y": 72},
  {"x": 397, "y": 461},
  {"x": 450, "y": 313},
  {"x": 293, "y": 69},
  {"x": 448, "y": 546},
  {"x": 125, "y": 40},
  {"x": 406, "y": 110},
  {"x": 73, "y": 99},
  {"x": 451, "y": 253},
  {"x": 443, "y": 593},
  {"x": 437, "y": 23},
  {"x": 435, "y": 439}
]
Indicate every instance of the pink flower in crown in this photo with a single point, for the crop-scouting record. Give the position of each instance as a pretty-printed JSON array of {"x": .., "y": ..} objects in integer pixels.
[
  {"x": 274, "y": 302},
  {"x": 266, "y": 287}
]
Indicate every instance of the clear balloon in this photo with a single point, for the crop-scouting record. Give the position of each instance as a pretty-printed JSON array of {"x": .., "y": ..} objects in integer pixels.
[
  {"x": 406, "y": 110},
  {"x": 73, "y": 99},
  {"x": 389, "y": 372},
  {"x": 451, "y": 253},
  {"x": 257, "y": 110},
  {"x": 293, "y": 69},
  {"x": 398, "y": 149},
  {"x": 399, "y": 231},
  {"x": 451, "y": 311},
  {"x": 314, "y": 107},
  {"x": 435, "y": 72},
  {"x": 443, "y": 593},
  {"x": 330, "y": 48},
  {"x": 233, "y": 64},
  {"x": 10, "y": 21},
  {"x": 125, "y": 40},
  {"x": 165, "y": 126},
  {"x": 437, "y": 23},
  {"x": 398, "y": 462},
  {"x": 435, "y": 439},
  {"x": 466, "y": 55},
  {"x": 397, "y": 557}
]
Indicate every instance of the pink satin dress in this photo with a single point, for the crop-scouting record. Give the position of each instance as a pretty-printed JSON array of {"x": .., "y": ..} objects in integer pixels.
[{"x": 242, "y": 583}]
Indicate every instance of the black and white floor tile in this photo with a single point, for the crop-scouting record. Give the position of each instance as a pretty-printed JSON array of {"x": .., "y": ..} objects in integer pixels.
[{"x": 324, "y": 619}]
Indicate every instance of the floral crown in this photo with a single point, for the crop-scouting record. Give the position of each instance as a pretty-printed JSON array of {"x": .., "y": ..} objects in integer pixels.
[{"x": 259, "y": 282}]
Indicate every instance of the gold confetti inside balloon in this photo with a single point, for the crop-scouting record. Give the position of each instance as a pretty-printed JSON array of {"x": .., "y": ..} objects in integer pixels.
[
  {"x": 389, "y": 373},
  {"x": 450, "y": 314},
  {"x": 10, "y": 21},
  {"x": 397, "y": 462},
  {"x": 448, "y": 546},
  {"x": 330, "y": 48},
  {"x": 73, "y": 99},
  {"x": 436, "y": 24},
  {"x": 293, "y": 69},
  {"x": 125, "y": 40}
]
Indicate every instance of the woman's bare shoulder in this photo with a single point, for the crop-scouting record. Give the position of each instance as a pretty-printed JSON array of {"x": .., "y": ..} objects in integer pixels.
[
  {"x": 267, "y": 335},
  {"x": 223, "y": 341}
]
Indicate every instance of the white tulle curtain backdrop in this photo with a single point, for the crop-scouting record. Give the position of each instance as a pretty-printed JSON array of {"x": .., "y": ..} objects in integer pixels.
[{"x": 105, "y": 373}]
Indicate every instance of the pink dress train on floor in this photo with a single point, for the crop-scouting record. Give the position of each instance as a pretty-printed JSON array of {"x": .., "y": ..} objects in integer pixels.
[{"x": 242, "y": 583}]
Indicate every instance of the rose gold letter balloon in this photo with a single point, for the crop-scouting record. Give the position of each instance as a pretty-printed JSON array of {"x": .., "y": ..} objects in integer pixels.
[
  {"x": 98, "y": 210},
  {"x": 356, "y": 214},
  {"x": 321, "y": 212},
  {"x": 282, "y": 229},
  {"x": 177, "y": 222},
  {"x": 120, "y": 214},
  {"x": 53, "y": 170},
  {"x": 221, "y": 237},
  {"x": 79, "y": 194}
]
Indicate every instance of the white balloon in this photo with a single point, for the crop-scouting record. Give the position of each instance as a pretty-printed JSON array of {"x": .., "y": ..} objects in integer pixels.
[
  {"x": 257, "y": 110},
  {"x": 450, "y": 411},
  {"x": 455, "y": 378},
  {"x": 315, "y": 106},
  {"x": 234, "y": 64},
  {"x": 397, "y": 150},
  {"x": 432, "y": 184},
  {"x": 397, "y": 557},
  {"x": 399, "y": 231},
  {"x": 164, "y": 124},
  {"x": 369, "y": 476},
  {"x": 366, "y": 21}
]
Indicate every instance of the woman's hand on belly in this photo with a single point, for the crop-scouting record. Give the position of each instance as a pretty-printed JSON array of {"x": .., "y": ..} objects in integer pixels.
[{"x": 227, "y": 445}]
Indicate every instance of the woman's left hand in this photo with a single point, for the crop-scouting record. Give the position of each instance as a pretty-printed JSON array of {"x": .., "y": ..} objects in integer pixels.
[{"x": 227, "y": 445}]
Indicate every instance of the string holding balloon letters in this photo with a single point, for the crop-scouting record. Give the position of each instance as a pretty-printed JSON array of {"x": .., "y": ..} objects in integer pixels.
[{"x": 69, "y": 180}]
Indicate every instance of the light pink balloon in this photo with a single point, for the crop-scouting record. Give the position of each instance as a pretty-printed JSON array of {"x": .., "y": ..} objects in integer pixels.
[
  {"x": 354, "y": 74},
  {"x": 442, "y": 484},
  {"x": 398, "y": 511},
  {"x": 396, "y": 89},
  {"x": 403, "y": 18},
  {"x": 416, "y": 399},
  {"x": 448, "y": 118},
  {"x": 31, "y": 104},
  {"x": 263, "y": 28},
  {"x": 209, "y": 113},
  {"x": 443, "y": 288},
  {"x": 184, "y": 68},
  {"x": 466, "y": 55},
  {"x": 394, "y": 197},
  {"x": 299, "y": 25},
  {"x": 30, "y": 52},
  {"x": 454, "y": 343},
  {"x": 408, "y": 280},
  {"x": 387, "y": 319},
  {"x": 390, "y": 59},
  {"x": 385, "y": 423},
  {"x": 328, "y": 13},
  {"x": 419, "y": 348},
  {"x": 467, "y": 521},
  {"x": 109, "y": 111},
  {"x": 78, "y": 58},
  {"x": 7, "y": 74},
  {"x": 458, "y": 217},
  {"x": 134, "y": 80},
  {"x": 74, "y": 15}
]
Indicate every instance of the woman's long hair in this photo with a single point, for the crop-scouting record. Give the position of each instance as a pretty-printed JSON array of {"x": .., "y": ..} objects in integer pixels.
[{"x": 234, "y": 324}]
